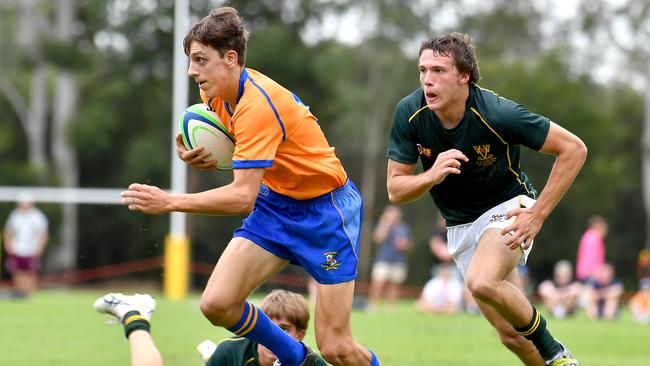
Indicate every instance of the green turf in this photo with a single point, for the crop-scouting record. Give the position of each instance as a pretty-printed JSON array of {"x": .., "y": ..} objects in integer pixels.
[{"x": 61, "y": 328}]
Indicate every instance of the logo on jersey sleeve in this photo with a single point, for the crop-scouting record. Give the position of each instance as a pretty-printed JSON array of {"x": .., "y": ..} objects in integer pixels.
[
  {"x": 331, "y": 261},
  {"x": 424, "y": 151},
  {"x": 484, "y": 157}
]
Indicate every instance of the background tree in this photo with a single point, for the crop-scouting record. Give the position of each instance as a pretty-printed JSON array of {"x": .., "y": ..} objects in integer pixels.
[
  {"x": 110, "y": 63},
  {"x": 626, "y": 26},
  {"x": 45, "y": 45}
]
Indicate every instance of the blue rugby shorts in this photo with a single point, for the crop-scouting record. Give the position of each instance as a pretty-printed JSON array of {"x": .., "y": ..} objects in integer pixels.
[{"x": 320, "y": 234}]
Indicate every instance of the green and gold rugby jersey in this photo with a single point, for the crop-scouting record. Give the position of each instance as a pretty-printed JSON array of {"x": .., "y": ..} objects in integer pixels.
[
  {"x": 234, "y": 351},
  {"x": 489, "y": 134},
  {"x": 238, "y": 351}
]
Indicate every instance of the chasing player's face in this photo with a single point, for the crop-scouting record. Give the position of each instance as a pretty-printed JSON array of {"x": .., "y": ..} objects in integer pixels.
[
  {"x": 441, "y": 81},
  {"x": 211, "y": 71},
  {"x": 265, "y": 356}
]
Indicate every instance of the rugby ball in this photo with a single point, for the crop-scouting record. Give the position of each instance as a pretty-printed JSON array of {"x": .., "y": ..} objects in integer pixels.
[{"x": 201, "y": 127}]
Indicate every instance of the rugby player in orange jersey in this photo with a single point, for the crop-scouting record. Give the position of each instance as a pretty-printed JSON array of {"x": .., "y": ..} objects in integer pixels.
[{"x": 302, "y": 207}]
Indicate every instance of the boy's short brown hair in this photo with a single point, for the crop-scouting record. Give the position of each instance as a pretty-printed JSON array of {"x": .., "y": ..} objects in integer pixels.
[
  {"x": 281, "y": 304},
  {"x": 460, "y": 48},
  {"x": 222, "y": 30}
]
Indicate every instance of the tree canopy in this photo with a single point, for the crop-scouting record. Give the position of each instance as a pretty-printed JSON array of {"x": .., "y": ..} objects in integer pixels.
[{"x": 120, "y": 55}]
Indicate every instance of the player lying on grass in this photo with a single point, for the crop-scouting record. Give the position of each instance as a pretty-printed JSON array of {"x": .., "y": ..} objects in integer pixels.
[{"x": 290, "y": 311}]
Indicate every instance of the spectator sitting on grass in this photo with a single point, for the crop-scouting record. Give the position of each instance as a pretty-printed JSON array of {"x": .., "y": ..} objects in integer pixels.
[
  {"x": 640, "y": 303},
  {"x": 560, "y": 294},
  {"x": 603, "y": 294}
]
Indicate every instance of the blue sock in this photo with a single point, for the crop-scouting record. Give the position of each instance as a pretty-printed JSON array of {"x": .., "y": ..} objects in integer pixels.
[
  {"x": 375, "y": 360},
  {"x": 257, "y": 327}
]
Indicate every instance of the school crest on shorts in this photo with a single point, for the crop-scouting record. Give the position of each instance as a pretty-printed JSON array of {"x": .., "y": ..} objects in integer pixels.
[
  {"x": 498, "y": 217},
  {"x": 331, "y": 261}
]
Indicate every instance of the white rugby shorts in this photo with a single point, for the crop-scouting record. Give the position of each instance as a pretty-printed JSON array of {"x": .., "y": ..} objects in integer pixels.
[{"x": 462, "y": 240}]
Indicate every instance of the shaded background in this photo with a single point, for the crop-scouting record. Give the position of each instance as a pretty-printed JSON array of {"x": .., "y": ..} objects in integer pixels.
[{"x": 85, "y": 100}]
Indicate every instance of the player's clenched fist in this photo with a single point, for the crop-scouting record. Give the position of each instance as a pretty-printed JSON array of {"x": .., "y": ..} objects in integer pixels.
[{"x": 447, "y": 162}]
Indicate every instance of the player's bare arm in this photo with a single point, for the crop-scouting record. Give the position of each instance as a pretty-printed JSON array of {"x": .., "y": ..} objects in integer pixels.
[
  {"x": 42, "y": 242},
  {"x": 403, "y": 186},
  {"x": 195, "y": 157},
  {"x": 571, "y": 154},
  {"x": 9, "y": 241},
  {"x": 386, "y": 222},
  {"x": 235, "y": 198}
]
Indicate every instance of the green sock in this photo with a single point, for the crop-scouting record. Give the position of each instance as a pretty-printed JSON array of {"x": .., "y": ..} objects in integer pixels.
[
  {"x": 134, "y": 321},
  {"x": 537, "y": 333}
]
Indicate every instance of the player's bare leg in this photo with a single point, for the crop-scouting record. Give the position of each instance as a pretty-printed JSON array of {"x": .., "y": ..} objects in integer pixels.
[
  {"x": 520, "y": 346},
  {"x": 392, "y": 294},
  {"x": 143, "y": 349},
  {"x": 376, "y": 290},
  {"x": 25, "y": 281},
  {"x": 240, "y": 269},
  {"x": 487, "y": 279},
  {"x": 333, "y": 330}
]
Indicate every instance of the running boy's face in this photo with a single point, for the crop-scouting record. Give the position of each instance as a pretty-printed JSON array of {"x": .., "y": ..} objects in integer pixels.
[
  {"x": 265, "y": 356},
  {"x": 211, "y": 71},
  {"x": 441, "y": 81}
]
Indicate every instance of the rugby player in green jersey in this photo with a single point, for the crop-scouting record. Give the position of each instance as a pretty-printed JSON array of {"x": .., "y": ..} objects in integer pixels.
[
  {"x": 289, "y": 310},
  {"x": 468, "y": 140}
]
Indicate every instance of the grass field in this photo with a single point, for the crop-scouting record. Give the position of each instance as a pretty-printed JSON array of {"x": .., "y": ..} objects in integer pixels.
[{"x": 57, "y": 327}]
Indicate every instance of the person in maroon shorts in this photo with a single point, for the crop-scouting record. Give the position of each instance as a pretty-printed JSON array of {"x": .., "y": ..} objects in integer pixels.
[{"x": 25, "y": 237}]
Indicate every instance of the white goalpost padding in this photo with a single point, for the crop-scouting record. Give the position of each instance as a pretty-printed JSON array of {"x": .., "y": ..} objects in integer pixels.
[{"x": 109, "y": 196}]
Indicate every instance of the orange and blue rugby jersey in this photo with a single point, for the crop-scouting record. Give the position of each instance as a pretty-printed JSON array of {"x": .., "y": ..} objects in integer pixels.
[{"x": 273, "y": 129}]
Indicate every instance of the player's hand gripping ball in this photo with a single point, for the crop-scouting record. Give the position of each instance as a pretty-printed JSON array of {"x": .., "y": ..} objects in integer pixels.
[{"x": 201, "y": 127}]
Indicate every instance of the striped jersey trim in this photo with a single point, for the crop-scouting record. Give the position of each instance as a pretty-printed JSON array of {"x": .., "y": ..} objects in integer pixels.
[
  {"x": 507, "y": 149},
  {"x": 275, "y": 111},
  {"x": 416, "y": 112},
  {"x": 247, "y": 164},
  {"x": 345, "y": 230},
  {"x": 232, "y": 339}
]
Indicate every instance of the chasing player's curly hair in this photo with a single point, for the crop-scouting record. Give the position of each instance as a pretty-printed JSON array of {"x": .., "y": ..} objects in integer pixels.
[
  {"x": 281, "y": 304},
  {"x": 223, "y": 30},
  {"x": 460, "y": 48}
]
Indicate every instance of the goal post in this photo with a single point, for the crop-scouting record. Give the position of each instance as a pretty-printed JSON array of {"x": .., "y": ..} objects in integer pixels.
[{"x": 177, "y": 244}]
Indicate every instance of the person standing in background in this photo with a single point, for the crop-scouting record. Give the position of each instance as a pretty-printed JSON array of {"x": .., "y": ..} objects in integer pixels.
[
  {"x": 591, "y": 251},
  {"x": 393, "y": 239},
  {"x": 438, "y": 243},
  {"x": 25, "y": 237}
]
